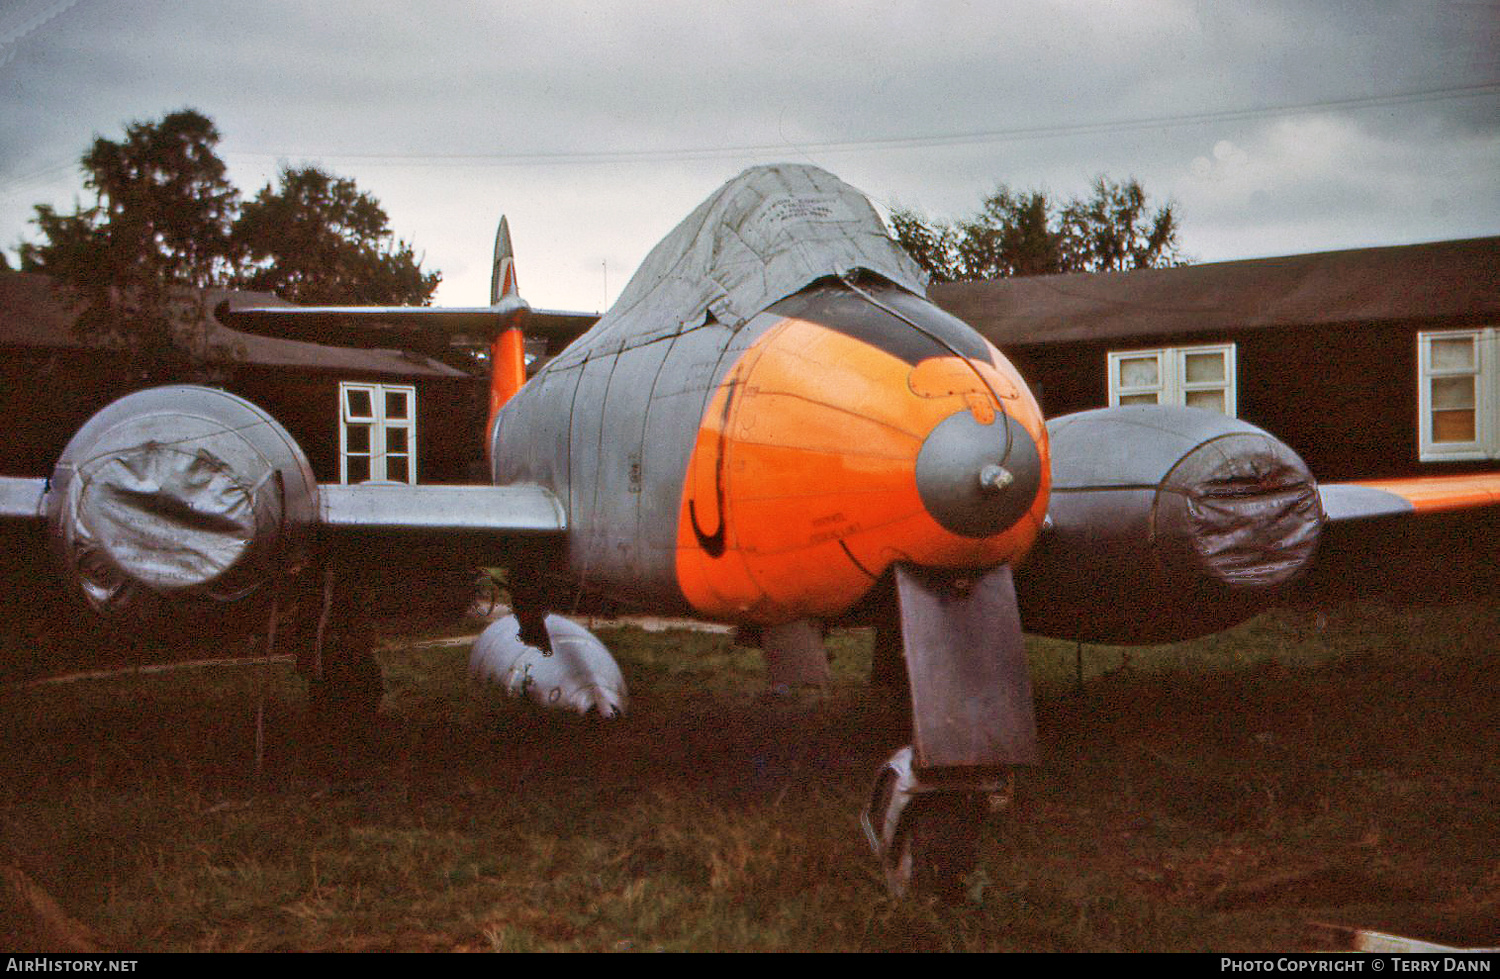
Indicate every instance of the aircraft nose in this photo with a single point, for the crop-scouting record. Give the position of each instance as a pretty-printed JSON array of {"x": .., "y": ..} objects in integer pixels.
[{"x": 978, "y": 480}]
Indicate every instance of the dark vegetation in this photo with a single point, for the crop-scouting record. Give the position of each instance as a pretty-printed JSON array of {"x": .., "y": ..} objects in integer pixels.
[
  {"x": 1215, "y": 795},
  {"x": 1114, "y": 229},
  {"x": 166, "y": 223}
]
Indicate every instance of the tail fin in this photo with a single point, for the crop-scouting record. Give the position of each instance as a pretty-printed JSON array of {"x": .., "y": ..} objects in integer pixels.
[
  {"x": 503, "y": 275},
  {"x": 508, "y": 352}
]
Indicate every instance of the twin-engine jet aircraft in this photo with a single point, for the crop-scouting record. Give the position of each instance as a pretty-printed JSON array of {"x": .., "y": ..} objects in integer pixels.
[{"x": 773, "y": 428}]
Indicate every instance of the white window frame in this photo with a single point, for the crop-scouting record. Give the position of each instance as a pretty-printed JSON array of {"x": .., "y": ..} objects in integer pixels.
[
  {"x": 1172, "y": 385},
  {"x": 380, "y": 428},
  {"x": 1486, "y": 374}
]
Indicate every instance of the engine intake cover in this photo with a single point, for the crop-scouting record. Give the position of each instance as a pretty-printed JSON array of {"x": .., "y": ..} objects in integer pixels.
[{"x": 178, "y": 495}]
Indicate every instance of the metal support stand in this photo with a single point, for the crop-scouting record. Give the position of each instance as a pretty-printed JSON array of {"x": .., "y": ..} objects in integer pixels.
[
  {"x": 265, "y": 685},
  {"x": 795, "y": 655},
  {"x": 317, "y": 663}
]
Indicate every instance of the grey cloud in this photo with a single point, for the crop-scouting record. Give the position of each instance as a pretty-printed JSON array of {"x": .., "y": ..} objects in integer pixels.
[{"x": 391, "y": 93}]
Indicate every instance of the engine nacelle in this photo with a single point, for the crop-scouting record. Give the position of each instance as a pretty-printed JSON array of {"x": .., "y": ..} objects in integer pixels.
[
  {"x": 178, "y": 502},
  {"x": 1166, "y": 523}
]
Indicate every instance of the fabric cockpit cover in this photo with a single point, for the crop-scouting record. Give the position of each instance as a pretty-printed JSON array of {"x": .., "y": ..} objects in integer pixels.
[{"x": 763, "y": 236}]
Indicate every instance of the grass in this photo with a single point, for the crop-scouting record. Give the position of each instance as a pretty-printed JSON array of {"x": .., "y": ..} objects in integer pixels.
[{"x": 1214, "y": 795}]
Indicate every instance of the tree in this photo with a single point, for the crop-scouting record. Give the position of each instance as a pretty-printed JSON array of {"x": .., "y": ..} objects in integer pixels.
[
  {"x": 1112, "y": 231},
  {"x": 166, "y": 224},
  {"x": 1027, "y": 234},
  {"x": 158, "y": 232},
  {"x": 1010, "y": 236},
  {"x": 931, "y": 245},
  {"x": 318, "y": 239}
]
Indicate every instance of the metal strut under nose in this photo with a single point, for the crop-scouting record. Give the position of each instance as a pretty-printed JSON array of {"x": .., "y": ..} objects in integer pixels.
[
  {"x": 966, "y": 662},
  {"x": 972, "y": 718}
]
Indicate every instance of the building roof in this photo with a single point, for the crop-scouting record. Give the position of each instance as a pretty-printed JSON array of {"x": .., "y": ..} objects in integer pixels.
[
  {"x": 32, "y": 314},
  {"x": 1455, "y": 281}
]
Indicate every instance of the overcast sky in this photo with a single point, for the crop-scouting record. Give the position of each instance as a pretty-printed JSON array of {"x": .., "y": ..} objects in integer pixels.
[{"x": 1276, "y": 126}]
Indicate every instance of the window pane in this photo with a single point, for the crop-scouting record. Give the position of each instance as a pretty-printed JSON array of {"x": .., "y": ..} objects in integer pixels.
[
  {"x": 1207, "y": 400},
  {"x": 358, "y": 438},
  {"x": 1204, "y": 368},
  {"x": 395, "y": 404},
  {"x": 1453, "y": 353},
  {"x": 1138, "y": 399},
  {"x": 359, "y": 468},
  {"x": 397, "y": 468},
  {"x": 1139, "y": 372},
  {"x": 1453, "y": 426},
  {"x": 395, "y": 440},
  {"x": 358, "y": 402},
  {"x": 1452, "y": 392}
]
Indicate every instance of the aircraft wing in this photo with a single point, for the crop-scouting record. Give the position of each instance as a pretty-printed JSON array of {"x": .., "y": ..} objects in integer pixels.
[
  {"x": 429, "y": 510},
  {"x": 520, "y": 510},
  {"x": 1417, "y": 495},
  {"x": 20, "y": 498},
  {"x": 1425, "y": 539},
  {"x": 421, "y": 329},
  {"x": 408, "y": 533}
]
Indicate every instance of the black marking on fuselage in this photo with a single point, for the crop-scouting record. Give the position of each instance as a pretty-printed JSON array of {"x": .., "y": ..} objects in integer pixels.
[
  {"x": 837, "y": 307},
  {"x": 713, "y": 544},
  {"x": 845, "y": 545}
]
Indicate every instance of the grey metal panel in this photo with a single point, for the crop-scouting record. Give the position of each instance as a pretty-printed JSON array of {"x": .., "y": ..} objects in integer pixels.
[
  {"x": 21, "y": 499},
  {"x": 587, "y": 432},
  {"x": 1349, "y": 502},
  {"x": 530, "y": 441},
  {"x": 521, "y": 509},
  {"x": 1131, "y": 445},
  {"x": 695, "y": 366},
  {"x": 608, "y": 429},
  {"x": 1096, "y": 517},
  {"x": 690, "y": 372},
  {"x": 631, "y": 428}
]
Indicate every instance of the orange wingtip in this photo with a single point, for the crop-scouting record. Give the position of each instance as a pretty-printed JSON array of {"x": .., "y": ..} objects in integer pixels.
[{"x": 1432, "y": 494}]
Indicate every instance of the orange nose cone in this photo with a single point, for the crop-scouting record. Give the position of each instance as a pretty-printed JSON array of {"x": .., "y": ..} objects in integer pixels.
[{"x": 822, "y": 459}]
